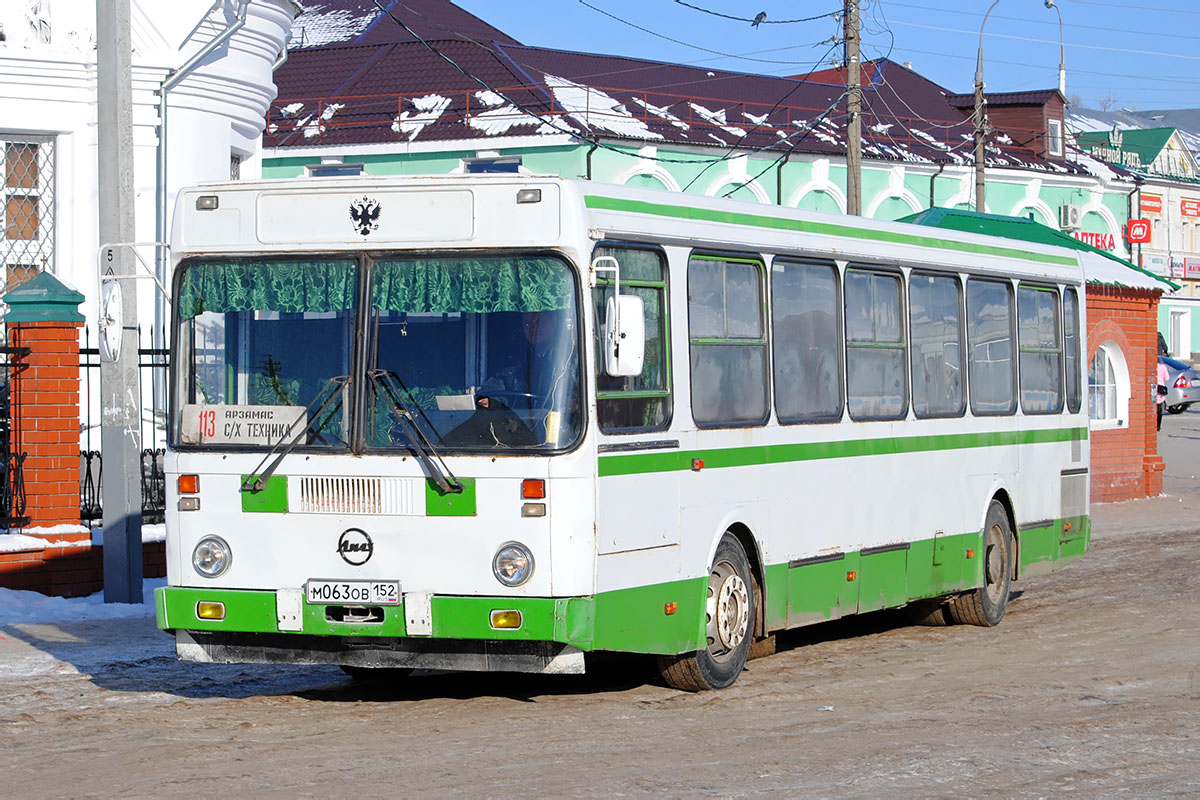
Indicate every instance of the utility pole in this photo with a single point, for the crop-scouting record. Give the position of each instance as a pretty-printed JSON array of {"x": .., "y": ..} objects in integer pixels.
[
  {"x": 854, "y": 112},
  {"x": 120, "y": 393},
  {"x": 981, "y": 123}
]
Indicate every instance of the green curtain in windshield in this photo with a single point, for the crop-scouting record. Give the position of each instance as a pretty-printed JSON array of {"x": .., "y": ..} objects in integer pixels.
[
  {"x": 472, "y": 286},
  {"x": 284, "y": 286}
]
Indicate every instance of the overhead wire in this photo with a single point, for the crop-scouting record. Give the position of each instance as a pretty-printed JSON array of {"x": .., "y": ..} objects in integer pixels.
[
  {"x": 757, "y": 21},
  {"x": 592, "y": 139}
]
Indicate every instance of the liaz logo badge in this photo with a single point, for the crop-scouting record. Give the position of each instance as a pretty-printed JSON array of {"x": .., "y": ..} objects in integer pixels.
[
  {"x": 355, "y": 547},
  {"x": 365, "y": 214}
]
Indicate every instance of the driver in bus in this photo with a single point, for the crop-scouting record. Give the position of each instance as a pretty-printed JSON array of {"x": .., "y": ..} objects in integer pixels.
[{"x": 533, "y": 376}]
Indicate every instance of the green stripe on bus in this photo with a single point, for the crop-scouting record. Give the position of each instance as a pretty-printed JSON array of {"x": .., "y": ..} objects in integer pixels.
[
  {"x": 827, "y": 228},
  {"x": 639, "y": 463},
  {"x": 668, "y": 617}
]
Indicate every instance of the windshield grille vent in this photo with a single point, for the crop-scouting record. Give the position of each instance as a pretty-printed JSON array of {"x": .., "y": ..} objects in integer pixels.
[{"x": 357, "y": 495}]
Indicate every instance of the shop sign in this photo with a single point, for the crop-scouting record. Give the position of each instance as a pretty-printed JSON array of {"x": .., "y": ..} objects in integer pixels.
[
  {"x": 1189, "y": 208},
  {"x": 1151, "y": 203},
  {"x": 1156, "y": 264},
  {"x": 1104, "y": 241},
  {"x": 1191, "y": 268},
  {"x": 1177, "y": 267},
  {"x": 1138, "y": 231}
]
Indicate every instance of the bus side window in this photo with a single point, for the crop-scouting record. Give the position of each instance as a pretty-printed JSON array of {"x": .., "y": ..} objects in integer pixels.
[
  {"x": 992, "y": 370},
  {"x": 642, "y": 402},
  {"x": 1071, "y": 348},
  {"x": 876, "y": 377},
  {"x": 1039, "y": 337},
  {"x": 935, "y": 322},
  {"x": 805, "y": 327},
  {"x": 728, "y": 341}
]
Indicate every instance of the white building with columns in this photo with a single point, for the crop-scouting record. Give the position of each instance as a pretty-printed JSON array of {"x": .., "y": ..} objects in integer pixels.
[{"x": 48, "y": 134}]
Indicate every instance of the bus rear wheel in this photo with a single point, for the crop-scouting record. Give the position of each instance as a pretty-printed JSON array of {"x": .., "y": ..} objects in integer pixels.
[
  {"x": 729, "y": 613},
  {"x": 985, "y": 606}
]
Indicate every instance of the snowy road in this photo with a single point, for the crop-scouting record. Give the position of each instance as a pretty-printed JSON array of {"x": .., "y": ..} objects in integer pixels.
[{"x": 1090, "y": 686}]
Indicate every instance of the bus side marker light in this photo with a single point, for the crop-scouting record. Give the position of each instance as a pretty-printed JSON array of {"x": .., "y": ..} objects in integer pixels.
[
  {"x": 207, "y": 202},
  {"x": 206, "y": 609},
  {"x": 851, "y": 575},
  {"x": 509, "y": 619},
  {"x": 670, "y": 608},
  {"x": 971, "y": 553},
  {"x": 533, "y": 489},
  {"x": 533, "y": 510},
  {"x": 1066, "y": 526},
  {"x": 529, "y": 195},
  {"x": 697, "y": 464},
  {"x": 189, "y": 484},
  {"x": 189, "y": 504}
]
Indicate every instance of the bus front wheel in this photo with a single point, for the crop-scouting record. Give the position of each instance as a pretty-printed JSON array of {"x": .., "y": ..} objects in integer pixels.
[
  {"x": 729, "y": 615},
  {"x": 985, "y": 606}
]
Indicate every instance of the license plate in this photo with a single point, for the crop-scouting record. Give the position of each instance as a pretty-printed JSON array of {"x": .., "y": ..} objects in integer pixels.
[{"x": 373, "y": 593}]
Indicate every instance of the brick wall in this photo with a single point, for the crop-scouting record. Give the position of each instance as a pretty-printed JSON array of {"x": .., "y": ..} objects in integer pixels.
[
  {"x": 74, "y": 571},
  {"x": 1125, "y": 461},
  {"x": 45, "y": 401}
]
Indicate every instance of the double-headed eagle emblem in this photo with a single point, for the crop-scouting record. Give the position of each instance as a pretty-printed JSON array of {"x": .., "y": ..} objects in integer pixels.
[{"x": 365, "y": 214}]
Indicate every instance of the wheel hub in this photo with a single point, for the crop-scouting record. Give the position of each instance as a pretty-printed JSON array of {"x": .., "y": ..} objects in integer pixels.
[{"x": 732, "y": 612}]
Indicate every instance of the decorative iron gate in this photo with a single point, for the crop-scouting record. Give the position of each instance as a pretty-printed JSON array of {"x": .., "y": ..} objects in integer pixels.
[
  {"x": 12, "y": 473},
  {"x": 152, "y": 361}
]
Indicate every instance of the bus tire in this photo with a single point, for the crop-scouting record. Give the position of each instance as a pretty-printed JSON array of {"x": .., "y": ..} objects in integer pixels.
[
  {"x": 729, "y": 613},
  {"x": 985, "y": 606}
]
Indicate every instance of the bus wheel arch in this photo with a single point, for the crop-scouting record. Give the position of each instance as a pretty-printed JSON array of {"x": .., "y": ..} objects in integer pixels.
[
  {"x": 1005, "y": 500},
  {"x": 986, "y": 604},
  {"x": 731, "y": 607},
  {"x": 741, "y": 532}
]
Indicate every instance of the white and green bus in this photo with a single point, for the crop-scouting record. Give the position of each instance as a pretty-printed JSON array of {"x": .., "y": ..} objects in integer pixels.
[{"x": 496, "y": 422}]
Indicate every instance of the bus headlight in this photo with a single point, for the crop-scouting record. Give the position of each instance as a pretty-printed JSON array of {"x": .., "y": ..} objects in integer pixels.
[
  {"x": 211, "y": 556},
  {"x": 513, "y": 564}
]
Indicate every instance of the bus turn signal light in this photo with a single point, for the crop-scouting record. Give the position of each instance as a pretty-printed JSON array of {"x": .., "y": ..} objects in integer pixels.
[
  {"x": 851, "y": 575},
  {"x": 533, "y": 489},
  {"x": 506, "y": 619},
  {"x": 971, "y": 553},
  {"x": 189, "y": 484},
  {"x": 670, "y": 608}
]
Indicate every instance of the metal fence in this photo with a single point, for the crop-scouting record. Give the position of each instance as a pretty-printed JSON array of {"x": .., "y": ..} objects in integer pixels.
[
  {"x": 152, "y": 371},
  {"x": 12, "y": 470}
]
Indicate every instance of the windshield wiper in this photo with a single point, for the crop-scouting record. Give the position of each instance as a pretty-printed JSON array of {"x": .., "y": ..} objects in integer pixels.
[
  {"x": 438, "y": 471},
  {"x": 256, "y": 481}
]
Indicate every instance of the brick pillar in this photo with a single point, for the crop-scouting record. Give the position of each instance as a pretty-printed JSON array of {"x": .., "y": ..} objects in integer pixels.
[{"x": 44, "y": 316}]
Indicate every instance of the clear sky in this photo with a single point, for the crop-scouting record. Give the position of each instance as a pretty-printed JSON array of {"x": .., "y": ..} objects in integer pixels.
[{"x": 1137, "y": 54}]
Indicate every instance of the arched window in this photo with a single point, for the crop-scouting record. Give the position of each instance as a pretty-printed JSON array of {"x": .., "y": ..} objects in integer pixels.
[{"x": 1108, "y": 388}]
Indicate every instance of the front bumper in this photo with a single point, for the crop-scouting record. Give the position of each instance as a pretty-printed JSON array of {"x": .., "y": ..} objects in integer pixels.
[{"x": 567, "y": 620}]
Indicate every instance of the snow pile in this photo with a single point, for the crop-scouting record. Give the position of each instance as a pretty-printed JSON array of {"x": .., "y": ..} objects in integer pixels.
[
  {"x": 596, "y": 109},
  {"x": 428, "y": 109},
  {"x": 317, "y": 26},
  {"x": 501, "y": 117},
  {"x": 21, "y": 606}
]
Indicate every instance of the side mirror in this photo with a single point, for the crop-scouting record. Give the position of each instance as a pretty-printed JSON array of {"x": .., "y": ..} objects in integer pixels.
[{"x": 624, "y": 335}]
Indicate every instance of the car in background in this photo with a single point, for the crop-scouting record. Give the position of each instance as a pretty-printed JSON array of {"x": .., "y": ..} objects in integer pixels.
[{"x": 1183, "y": 385}]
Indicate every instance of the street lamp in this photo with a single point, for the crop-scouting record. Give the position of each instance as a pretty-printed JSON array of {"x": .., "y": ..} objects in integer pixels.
[
  {"x": 980, "y": 120},
  {"x": 1062, "y": 60}
]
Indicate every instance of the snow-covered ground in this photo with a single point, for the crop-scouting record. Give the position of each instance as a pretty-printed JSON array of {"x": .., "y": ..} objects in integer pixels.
[{"x": 22, "y": 606}]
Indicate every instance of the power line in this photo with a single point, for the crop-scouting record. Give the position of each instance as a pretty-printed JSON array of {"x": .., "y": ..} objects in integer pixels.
[
  {"x": 542, "y": 120},
  {"x": 1136, "y": 7},
  {"x": 1048, "y": 41},
  {"x": 760, "y": 20},
  {"x": 694, "y": 46},
  {"x": 977, "y": 15}
]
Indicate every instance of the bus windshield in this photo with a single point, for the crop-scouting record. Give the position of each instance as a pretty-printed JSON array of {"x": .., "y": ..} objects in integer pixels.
[
  {"x": 463, "y": 353},
  {"x": 481, "y": 352},
  {"x": 259, "y": 346}
]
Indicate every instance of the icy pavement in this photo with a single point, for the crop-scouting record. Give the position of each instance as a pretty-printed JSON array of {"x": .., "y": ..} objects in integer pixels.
[{"x": 81, "y": 652}]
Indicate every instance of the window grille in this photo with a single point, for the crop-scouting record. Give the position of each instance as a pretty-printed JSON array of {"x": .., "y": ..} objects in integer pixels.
[{"x": 28, "y": 222}]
